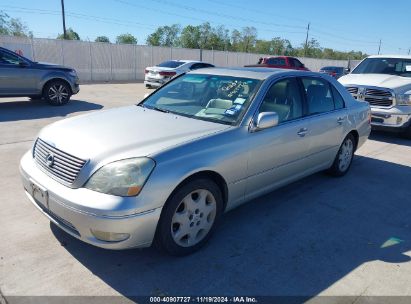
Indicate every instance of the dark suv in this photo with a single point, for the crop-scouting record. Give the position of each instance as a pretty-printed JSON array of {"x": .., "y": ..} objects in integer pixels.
[{"x": 21, "y": 77}]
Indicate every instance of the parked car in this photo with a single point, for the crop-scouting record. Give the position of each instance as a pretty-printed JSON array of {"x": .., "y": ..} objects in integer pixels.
[
  {"x": 334, "y": 71},
  {"x": 385, "y": 82},
  {"x": 163, "y": 171},
  {"x": 280, "y": 62},
  {"x": 158, "y": 75},
  {"x": 21, "y": 77}
]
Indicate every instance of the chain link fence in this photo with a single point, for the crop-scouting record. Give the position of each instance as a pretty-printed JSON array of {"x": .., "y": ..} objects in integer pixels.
[{"x": 106, "y": 62}]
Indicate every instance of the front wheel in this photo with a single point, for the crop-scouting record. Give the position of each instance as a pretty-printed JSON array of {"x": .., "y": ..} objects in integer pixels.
[
  {"x": 57, "y": 93},
  {"x": 406, "y": 133},
  {"x": 189, "y": 217},
  {"x": 343, "y": 160}
]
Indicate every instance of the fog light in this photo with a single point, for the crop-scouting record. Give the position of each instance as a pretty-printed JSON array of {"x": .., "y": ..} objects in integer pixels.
[
  {"x": 110, "y": 236},
  {"x": 399, "y": 120}
]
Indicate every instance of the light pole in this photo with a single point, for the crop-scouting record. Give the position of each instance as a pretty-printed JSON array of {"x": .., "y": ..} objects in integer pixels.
[{"x": 64, "y": 20}]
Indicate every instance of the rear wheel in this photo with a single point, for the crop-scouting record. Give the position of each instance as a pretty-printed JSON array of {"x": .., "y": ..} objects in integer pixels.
[
  {"x": 189, "y": 217},
  {"x": 343, "y": 160},
  {"x": 57, "y": 93}
]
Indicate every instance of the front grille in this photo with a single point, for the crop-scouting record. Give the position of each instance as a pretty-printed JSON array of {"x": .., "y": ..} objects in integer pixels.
[
  {"x": 379, "y": 98},
  {"x": 64, "y": 167},
  {"x": 352, "y": 90},
  {"x": 375, "y": 97}
]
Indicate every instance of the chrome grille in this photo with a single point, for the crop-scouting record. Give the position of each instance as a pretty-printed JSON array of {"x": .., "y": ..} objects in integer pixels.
[
  {"x": 65, "y": 167},
  {"x": 352, "y": 90},
  {"x": 379, "y": 98},
  {"x": 375, "y": 97}
]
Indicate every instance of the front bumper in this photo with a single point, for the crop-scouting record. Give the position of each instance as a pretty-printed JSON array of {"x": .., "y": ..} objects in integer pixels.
[
  {"x": 77, "y": 222},
  {"x": 393, "y": 119}
]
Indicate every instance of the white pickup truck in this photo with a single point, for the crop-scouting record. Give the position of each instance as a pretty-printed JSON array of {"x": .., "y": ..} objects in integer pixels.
[{"x": 384, "y": 81}]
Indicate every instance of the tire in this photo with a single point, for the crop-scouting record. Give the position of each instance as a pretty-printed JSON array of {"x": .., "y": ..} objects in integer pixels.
[
  {"x": 148, "y": 86},
  {"x": 189, "y": 217},
  {"x": 344, "y": 157},
  {"x": 406, "y": 133},
  {"x": 57, "y": 93}
]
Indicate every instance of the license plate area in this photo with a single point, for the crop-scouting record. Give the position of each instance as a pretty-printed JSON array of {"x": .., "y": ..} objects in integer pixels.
[{"x": 39, "y": 193}]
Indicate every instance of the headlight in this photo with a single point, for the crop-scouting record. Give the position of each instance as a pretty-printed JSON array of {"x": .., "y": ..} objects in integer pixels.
[
  {"x": 73, "y": 73},
  {"x": 404, "y": 99},
  {"x": 123, "y": 178}
]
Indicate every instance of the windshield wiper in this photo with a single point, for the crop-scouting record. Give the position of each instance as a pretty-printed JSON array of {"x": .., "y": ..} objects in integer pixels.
[{"x": 159, "y": 109}]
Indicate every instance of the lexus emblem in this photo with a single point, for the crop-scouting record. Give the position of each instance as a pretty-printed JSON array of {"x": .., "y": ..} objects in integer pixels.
[{"x": 50, "y": 160}]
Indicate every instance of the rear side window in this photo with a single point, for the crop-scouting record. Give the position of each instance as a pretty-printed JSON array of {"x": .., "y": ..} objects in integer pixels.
[
  {"x": 338, "y": 100},
  {"x": 319, "y": 95},
  {"x": 171, "y": 64}
]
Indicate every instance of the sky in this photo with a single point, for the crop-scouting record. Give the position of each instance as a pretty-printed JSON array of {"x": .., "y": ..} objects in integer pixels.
[{"x": 342, "y": 25}]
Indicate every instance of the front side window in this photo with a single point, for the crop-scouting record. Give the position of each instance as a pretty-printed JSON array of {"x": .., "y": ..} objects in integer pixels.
[
  {"x": 285, "y": 99},
  {"x": 296, "y": 63},
  {"x": 216, "y": 98},
  {"x": 321, "y": 96},
  {"x": 7, "y": 58},
  {"x": 391, "y": 66}
]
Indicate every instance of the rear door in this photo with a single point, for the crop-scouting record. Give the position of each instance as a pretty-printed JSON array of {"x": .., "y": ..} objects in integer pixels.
[
  {"x": 328, "y": 120},
  {"x": 277, "y": 154}
]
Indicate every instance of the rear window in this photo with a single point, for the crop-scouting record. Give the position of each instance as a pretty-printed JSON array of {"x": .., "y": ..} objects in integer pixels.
[
  {"x": 171, "y": 64},
  {"x": 276, "y": 61}
]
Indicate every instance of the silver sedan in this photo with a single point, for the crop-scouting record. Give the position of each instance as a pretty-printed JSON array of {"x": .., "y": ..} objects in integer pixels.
[{"x": 165, "y": 170}]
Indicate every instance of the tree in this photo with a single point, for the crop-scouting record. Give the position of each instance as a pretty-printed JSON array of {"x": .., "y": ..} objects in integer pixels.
[
  {"x": 13, "y": 26},
  {"x": 102, "y": 39},
  {"x": 249, "y": 36},
  {"x": 126, "y": 39},
  {"x": 190, "y": 37},
  {"x": 70, "y": 35},
  {"x": 165, "y": 36}
]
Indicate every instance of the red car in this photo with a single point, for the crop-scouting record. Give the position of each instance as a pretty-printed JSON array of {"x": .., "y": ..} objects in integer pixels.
[{"x": 280, "y": 62}]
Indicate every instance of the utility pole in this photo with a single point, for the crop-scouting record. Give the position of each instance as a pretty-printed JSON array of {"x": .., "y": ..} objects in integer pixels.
[
  {"x": 64, "y": 20},
  {"x": 379, "y": 47},
  {"x": 306, "y": 40}
]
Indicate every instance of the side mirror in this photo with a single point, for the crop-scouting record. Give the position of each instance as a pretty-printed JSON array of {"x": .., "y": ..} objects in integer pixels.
[
  {"x": 347, "y": 70},
  {"x": 266, "y": 120},
  {"x": 23, "y": 64}
]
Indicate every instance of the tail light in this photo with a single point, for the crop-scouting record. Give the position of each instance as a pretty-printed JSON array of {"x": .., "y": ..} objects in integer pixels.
[
  {"x": 145, "y": 71},
  {"x": 168, "y": 74}
]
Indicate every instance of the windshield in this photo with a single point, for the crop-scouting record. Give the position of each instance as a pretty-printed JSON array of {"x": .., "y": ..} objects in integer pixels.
[
  {"x": 391, "y": 66},
  {"x": 221, "y": 99},
  {"x": 171, "y": 64}
]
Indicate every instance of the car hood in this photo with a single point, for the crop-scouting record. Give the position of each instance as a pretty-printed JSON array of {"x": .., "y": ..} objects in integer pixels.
[
  {"x": 397, "y": 83},
  {"x": 124, "y": 132},
  {"x": 48, "y": 65}
]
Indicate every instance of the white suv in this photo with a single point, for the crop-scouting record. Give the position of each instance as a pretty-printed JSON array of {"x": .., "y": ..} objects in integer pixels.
[{"x": 384, "y": 81}]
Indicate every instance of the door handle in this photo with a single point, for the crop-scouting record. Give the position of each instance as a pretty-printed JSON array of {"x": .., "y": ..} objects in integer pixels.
[
  {"x": 302, "y": 132},
  {"x": 340, "y": 120}
]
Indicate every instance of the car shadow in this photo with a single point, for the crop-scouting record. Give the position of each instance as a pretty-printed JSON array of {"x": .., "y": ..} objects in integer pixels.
[
  {"x": 37, "y": 109},
  {"x": 389, "y": 137},
  {"x": 296, "y": 241}
]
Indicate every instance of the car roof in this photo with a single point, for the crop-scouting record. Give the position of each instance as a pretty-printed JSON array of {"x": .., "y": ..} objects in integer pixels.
[
  {"x": 254, "y": 73},
  {"x": 332, "y": 67},
  {"x": 391, "y": 56}
]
